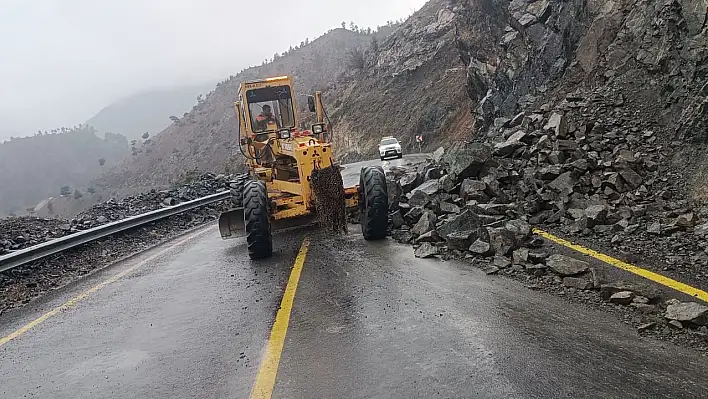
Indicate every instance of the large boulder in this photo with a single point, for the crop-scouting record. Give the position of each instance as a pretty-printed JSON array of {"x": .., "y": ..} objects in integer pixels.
[
  {"x": 431, "y": 236},
  {"x": 467, "y": 220},
  {"x": 596, "y": 214},
  {"x": 463, "y": 239},
  {"x": 688, "y": 312},
  {"x": 513, "y": 143},
  {"x": 480, "y": 247},
  {"x": 502, "y": 241},
  {"x": 395, "y": 193},
  {"x": 413, "y": 215},
  {"x": 467, "y": 161},
  {"x": 472, "y": 189},
  {"x": 397, "y": 219},
  {"x": 430, "y": 187},
  {"x": 447, "y": 183},
  {"x": 409, "y": 181},
  {"x": 558, "y": 124},
  {"x": 567, "y": 266},
  {"x": 418, "y": 198},
  {"x": 632, "y": 178},
  {"x": 563, "y": 183},
  {"x": 426, "y": 250},
  {"x": 520, "y": 228},
  {"x": 448, "y": 208},
  {"x": 425, "y": 224}
]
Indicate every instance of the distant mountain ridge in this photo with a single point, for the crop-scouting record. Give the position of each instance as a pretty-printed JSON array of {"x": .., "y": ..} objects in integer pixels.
[
  {"x": 205, "y": 138},
  {"x": 37, "y": 167},
  {"x": 148, "y": 111}
]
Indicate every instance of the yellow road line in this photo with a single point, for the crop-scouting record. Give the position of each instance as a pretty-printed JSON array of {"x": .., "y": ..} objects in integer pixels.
[
  {"x": 655, "y": 277},
  {"x": 265, "y": 380},
  {"x": 75, "y": 300}
]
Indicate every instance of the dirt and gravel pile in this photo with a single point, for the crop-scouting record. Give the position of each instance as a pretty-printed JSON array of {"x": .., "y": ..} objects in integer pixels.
[
  {"x": 21, "y": 284},
  {"x": 479, "y": 203}
]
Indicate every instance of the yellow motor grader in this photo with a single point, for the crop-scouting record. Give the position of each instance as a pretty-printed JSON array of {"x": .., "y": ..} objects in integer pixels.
[{"x": 291, "y": 177}]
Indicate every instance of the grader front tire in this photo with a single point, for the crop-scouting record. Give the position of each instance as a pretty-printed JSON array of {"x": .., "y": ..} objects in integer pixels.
[
  {"x": 237, "y": 190},
  {"x": 256, "y": 218},
  {"x": 373, "y": 203}
]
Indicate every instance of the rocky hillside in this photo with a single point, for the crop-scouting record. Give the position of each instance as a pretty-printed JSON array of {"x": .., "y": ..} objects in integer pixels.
[
  {"x": 454, "y": 67},
  {"x": 617, "y": 67},
  {"x": 589, "y": 120},
  {"x": 204, "y": 139},
  {"x": 650, "y": 53},
  {"x": 412, "y": 83},
  {"x": 54, "y": 164},
  {"x": 146, "y": 112}
]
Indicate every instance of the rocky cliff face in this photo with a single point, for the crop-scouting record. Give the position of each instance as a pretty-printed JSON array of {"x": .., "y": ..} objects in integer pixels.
[
  {"x": 653, "y": 53},
  {"x": 589, "y": 119},
  {"x": 411, "y": 84},
  {"x": 647, "y": 60}
]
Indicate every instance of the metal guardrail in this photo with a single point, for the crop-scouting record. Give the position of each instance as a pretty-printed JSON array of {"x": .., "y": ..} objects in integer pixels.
[{"x": 52, "y": 247}]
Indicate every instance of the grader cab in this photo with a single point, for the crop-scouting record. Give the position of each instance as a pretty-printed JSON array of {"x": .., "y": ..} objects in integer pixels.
[{"x": 291, "y": 177}]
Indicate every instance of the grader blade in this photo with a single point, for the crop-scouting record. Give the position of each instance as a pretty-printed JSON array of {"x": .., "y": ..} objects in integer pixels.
[
  {"x": 328, "y": 189},
  {"x": 231, "y": 224}
]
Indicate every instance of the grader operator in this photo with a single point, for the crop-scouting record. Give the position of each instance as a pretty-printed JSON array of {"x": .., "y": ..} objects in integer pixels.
[{"x": 291, "y": 176}]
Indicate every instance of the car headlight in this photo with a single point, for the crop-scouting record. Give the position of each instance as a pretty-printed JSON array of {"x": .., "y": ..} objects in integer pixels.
[
  {"x": 317, "y": 129},
  {"x": 284, "y": 134}
]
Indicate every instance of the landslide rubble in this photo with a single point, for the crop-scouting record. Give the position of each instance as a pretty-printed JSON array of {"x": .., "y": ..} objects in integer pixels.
[
  {"x": 587, "y": 182},
  {"x": 22, "y": 284},
  {"x": 589, "y": 120}
]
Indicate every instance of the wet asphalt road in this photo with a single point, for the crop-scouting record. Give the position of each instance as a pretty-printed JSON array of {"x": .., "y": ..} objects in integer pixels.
[{"x": 369, "y": 320}]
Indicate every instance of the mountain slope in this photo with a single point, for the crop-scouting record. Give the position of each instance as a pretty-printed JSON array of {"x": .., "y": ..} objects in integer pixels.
[
  {"x": 457, "y": 68},
  {"x": 412, "y": 84},
  {"x": 205, "y": 139},
  {"x": 33, "y": 168},
  {"x": 146, "y": 112},
  {"x": 647, "y": 58}
]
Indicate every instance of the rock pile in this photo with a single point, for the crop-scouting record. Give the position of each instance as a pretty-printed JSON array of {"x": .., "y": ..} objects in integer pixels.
[
  {"x": 114, "y": 209},
  {"x": 22, "y": 232},
  {"x": 539, "y": 169}
]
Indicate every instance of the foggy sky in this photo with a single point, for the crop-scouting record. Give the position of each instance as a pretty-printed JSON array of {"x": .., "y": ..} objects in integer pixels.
[{"x": 61, "y": 61}]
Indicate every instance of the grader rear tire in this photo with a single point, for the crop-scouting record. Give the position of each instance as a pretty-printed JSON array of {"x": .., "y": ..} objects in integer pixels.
[
  {"x": 256, "y": 218},
  {"x": 373, "y": 203}
]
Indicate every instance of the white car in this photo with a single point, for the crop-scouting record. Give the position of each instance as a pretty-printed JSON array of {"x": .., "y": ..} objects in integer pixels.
[{"x": 390, "y": 146}]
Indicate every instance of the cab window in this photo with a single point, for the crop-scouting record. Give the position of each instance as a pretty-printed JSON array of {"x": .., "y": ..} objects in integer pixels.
[
  {"x": 389, "y": 141},
  {"x": 270, "y": 108}
]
